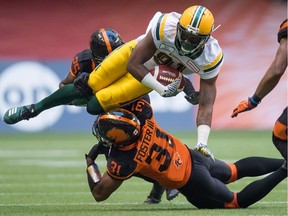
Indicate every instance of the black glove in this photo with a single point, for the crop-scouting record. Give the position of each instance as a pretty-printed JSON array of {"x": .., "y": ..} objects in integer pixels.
[
  {"x": 98, "y": 149},
  {"x": 193, "y": 98}
]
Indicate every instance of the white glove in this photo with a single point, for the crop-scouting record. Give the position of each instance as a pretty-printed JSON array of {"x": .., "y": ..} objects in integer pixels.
[{"x": 172, "y": 88}]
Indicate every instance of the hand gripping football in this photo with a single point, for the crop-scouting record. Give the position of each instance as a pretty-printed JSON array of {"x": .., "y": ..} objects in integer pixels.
[{"x": 166, "y": 75}]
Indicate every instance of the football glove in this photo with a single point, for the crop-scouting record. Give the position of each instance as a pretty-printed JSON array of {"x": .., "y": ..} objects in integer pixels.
[
  {"x": 203, "y": 149},
  {"x": 97, "y": 149},
  {"x": 244, "y": 106},
  {"x": 193, "y": 98},
  {"x": 172, "y": 89}
]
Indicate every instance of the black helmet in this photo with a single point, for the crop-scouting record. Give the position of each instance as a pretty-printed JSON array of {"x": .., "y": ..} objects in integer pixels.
[
  {"x": 117, "y": 127},
  {"x": 103, "y": 42}
]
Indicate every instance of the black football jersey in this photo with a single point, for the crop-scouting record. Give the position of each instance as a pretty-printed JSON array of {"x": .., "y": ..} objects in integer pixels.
[{"x": 82, "y": 62}]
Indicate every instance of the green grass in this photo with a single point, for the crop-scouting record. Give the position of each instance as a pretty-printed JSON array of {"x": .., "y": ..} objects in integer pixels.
[{"x": 44, "y": 174}]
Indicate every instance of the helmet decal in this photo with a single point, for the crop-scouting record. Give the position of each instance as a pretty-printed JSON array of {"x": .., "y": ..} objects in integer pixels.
[
  {"x": 117, "y": 135},
  {"x": 103, "y": 42},
  {"x": 196, "y": 18},
  {"x": 117, "y": 127},
  {"x": 106, "y": 40},
  {"x": 193, "y": 30}
]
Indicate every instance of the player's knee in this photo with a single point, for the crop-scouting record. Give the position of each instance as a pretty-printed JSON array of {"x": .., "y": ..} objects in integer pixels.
[
  {"x": 93, "y": 106},
  {"x": 233, "y": 203},
  {"x": 81, "y": 85},
  {"x": 281, "y": 146},
  {"x": 234, "y": 173}
]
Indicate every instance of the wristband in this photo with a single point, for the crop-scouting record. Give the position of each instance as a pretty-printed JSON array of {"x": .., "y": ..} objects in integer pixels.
[
  {"x": 203, "y": 132},
  {"x": 152, "y": 83},
  {"x": 93, "y": 175},
  {"x": 255, "y": 99}
]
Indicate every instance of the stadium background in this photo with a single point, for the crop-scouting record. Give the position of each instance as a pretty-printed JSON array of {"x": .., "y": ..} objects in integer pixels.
[{"x": 38, "y": 40}]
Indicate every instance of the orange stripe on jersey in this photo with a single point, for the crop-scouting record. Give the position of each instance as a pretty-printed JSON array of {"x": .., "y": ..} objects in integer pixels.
[
  {"x": 279, "y": 130},
  {"x": 106, "y": 39},
  {"x": 234, "y": 173},
  {"x": 233, "y": 204},
  {"x": 284, "y": 25},
  {"x": 72, "y": 74}
]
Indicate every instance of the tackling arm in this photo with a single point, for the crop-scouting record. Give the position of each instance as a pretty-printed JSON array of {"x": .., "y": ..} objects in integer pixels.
[
  {"x": 101, "y": 186},
  {"x": 105, "y": 187}
]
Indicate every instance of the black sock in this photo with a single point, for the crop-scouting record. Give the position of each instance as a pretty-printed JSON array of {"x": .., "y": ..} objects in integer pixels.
[
  {"x": 260, "y": 188},
  {"x": 157, "y": 191},
  {"x": 256, "y": 166}
]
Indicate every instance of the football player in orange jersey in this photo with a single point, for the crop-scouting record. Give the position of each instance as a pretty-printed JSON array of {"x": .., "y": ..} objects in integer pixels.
[
  {"x": 138, "y": 145},
  {"x": 102, "y": 42},
  {"x": 266, "y": 85}
]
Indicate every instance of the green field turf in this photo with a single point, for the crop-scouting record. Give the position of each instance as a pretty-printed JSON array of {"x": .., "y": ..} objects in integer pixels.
[{"x": 44, "y": 174}]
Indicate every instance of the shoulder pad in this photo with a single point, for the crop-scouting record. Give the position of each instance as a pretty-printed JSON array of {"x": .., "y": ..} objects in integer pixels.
[{"x": 121, "y": 164}]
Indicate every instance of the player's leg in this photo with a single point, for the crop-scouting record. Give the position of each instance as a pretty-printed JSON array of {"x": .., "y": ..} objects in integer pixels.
[
  {"x": 118, "y": 94},
  {"x": 62, "y": 96},
  {"x": 260, "y": 188},
  {"x": 247, "y": 167},
  {"x": 279, "y": 136},
  {"x": 110, "y": 70},
  {"x": 155, "y": 195},
  {"x": 202, "y": 190}
]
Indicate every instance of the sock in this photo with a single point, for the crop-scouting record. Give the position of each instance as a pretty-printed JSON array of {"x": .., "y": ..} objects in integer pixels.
[
  {"x": 260, "y": 188},
  {"x": 62, "y": 96},
  {"x": 157, "y": 191},
  {"x": 256, "y": 166},
  {"x": 94, "y": 107}
]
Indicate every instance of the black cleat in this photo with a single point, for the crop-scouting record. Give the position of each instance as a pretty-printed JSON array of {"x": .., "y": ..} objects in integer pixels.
[{"x": 171, "y": 194}]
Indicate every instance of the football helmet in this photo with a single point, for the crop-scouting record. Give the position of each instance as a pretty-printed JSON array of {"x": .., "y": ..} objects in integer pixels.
[
  {"x": 103, "y": 42},
  {"x": 193, "y": 30},
  {"x": 117, "y": 127}
]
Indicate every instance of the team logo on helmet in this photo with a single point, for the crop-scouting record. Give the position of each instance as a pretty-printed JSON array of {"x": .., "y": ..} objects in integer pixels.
[{"x": 118, "y": 127}]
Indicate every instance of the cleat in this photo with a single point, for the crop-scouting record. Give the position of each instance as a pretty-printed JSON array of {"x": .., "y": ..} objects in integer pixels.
[
  {"x": 155, "y": 194},
  {"x": 203, "y": 149},
  {"x": 284, "y": 166},
  {"x": 151, "y": 200},
  {"x": 16, "y": 114},
  {"x": 171, "y": 194}
]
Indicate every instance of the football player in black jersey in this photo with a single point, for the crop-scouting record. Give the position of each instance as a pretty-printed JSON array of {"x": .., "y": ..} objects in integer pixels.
[{"x": 266, "y": 85}]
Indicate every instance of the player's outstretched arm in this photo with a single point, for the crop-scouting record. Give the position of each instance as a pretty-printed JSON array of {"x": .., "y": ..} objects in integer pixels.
[{"x": 268, "y": 82}]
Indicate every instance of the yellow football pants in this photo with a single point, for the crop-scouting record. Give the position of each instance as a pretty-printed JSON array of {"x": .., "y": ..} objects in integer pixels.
[{"x": 112, "y": 84}]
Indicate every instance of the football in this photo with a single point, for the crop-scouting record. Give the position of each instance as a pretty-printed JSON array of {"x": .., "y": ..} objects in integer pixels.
[{"x": 166, "y": 75}]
